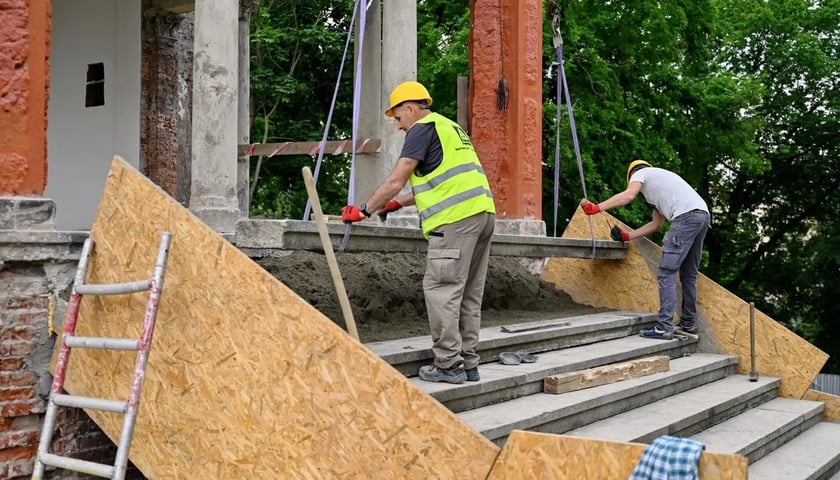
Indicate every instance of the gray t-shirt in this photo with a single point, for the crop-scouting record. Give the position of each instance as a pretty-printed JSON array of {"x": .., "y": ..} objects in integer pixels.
[
  {"x": 423, "y": 144},
  {"x": 667, "y": 192}
]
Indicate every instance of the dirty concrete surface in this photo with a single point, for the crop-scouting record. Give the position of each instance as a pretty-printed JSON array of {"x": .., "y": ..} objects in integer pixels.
[{"x": 386, "y": 293}]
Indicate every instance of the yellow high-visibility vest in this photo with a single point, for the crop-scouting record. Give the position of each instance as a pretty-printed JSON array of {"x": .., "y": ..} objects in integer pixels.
[{"x": 458, "y": 187}]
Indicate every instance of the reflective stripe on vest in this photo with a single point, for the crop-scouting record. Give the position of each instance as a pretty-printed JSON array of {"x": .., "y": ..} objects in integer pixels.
[
  {"x": 468, "y": 167},
  {"x": 455, "y": 189}
]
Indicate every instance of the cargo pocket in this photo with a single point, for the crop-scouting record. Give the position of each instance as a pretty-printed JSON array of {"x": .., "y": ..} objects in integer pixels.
[
  {"x": 443, "y": 264},
  {"x": 670, "y": 259}
]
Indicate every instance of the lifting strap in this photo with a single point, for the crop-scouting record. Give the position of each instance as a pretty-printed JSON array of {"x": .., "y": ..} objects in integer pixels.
[
  {"x": 563, "y": 90},
  {"x": 356, "y": 95}
]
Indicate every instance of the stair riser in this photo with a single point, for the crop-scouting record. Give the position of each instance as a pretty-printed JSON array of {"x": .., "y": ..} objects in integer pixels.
[
  {"x": 780, "y": 437},
  {"x": 408, "y": 363},
  {"x": 718, "y": 414},
  {"x": 489, "y": 394},
  {"x": 605, "y": 407}
]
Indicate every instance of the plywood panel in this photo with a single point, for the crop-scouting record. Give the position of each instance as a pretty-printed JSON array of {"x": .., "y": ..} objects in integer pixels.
[
  {"x": 630, "y": 284},
  {"x": 528, "y": 455},
  {"x": 832, "y": 404},
  {"x": 245, "y": 379}
]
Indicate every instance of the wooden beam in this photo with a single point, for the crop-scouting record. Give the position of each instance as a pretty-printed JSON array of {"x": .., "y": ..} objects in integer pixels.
[
  {"x": 176, "y": 6},
  {"x": 593, "y": 377},
  {"x": 333, "y": 147}
]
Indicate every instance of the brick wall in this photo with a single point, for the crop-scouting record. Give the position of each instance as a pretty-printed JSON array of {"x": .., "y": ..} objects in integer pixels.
[
  {"x": 165, "y": 133},
  {"x": 31, "y": 290}
]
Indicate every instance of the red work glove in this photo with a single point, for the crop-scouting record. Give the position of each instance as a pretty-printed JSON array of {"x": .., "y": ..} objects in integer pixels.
[
  {"x": 352, "y": 213},
  {"x": 389, "y": 207},
  {"x": 619, "y": 235},
  {"x": 590, "y": 208}
]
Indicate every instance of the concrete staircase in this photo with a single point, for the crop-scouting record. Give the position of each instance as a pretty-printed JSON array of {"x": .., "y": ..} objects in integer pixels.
[{"x": 700, "y": 397}]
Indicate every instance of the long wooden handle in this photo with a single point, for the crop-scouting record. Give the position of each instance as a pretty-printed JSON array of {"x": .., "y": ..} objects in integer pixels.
[{"x": 328, "y": 251}]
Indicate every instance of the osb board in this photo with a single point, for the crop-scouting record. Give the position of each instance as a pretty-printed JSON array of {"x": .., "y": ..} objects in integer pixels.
[
  {"x": 630, "y": 284},
  {"x": 245, "y": 379},
  {"x": 528, "y": 455},
  {"x": 832, "y": 404}
]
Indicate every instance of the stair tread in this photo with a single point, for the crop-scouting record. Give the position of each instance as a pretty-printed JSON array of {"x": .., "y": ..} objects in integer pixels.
[
  {"x": 520, "y": 413},
  {"x": 550, "y": 363},
  {"x": 809, "y": 455},
  {"x": 742, "y": 433},
  {"x": 490, "y": 336},
  {"x": 656, "y": 418}
]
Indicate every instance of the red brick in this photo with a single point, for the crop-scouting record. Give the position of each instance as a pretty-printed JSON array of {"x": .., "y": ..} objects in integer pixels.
[
  {"x": 11, "y": 364},
  {"x": 33, "y": 317},
  {"x": 20, "y": 332},
  {"x": 18, "y": 439},
  {"x": 12, "y": 394},
  {"x": 18, "y": 409},
  {"x": 16, "y": 348},
  {"x": 16, "y": 379},
  {"x": 18, "y": 453}
]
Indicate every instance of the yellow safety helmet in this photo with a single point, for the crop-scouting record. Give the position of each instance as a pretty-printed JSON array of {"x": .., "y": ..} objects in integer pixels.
[
  {"x": 405, "y": 92},
  {"x": 634, "y": 164}
]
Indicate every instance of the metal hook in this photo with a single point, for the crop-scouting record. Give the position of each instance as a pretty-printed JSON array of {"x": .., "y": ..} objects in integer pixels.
[{"x": 555, "y": 28}]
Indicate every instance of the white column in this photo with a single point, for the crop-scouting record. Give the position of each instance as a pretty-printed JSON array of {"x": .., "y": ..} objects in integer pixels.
[
  {"x": 399, "y": 64},
  {"x": 215, "y": 114},
  {"x": 368, "y": 171}
]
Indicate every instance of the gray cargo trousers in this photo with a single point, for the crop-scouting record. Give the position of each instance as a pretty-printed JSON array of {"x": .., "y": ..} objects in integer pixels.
[
  {"x": 456, "y": 269},
  {"x": 682, "y": 250}
]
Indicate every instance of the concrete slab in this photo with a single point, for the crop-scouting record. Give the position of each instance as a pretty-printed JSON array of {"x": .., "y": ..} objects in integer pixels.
[
  {"x": 501, "y": 383},
  {"x": 685, "y": 413},
  {"x": 762, "y": 429},
  {"x": 261, "y": 237},
  {"x": 552, "y": 413},
  {"x": 815, "y": 454},
  {"x": 408, "y": 354}
]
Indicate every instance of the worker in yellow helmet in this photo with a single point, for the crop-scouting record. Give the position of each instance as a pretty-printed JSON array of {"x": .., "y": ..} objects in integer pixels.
[
  {"x": 672, "y": 199},
  {"x": 457, "y": 216}
]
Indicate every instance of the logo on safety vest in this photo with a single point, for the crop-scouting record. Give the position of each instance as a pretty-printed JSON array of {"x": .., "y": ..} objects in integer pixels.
[{"x": 465, "y": 139}]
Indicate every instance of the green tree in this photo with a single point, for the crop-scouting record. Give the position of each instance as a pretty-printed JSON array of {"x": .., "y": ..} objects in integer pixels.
[{"x": 296, "y": 51}]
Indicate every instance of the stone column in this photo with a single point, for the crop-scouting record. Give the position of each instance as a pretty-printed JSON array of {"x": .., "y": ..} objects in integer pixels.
[
  {"x": 215, "y": 114},
  {"x": 371, "y": 169},
  {"x": 24, "y": 53},
  {"x": 246, "y": 8},
  {"x": 399, "y": 64},
  {"x": 509, "y": 142}
]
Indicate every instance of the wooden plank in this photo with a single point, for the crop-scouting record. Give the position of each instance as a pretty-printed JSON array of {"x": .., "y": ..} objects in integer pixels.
[
  {"x": 332, "y": 147},
  {"x": 832, "y": 404},
  {"x": 528, "y": 455},
  {"x": 593, "y": 377},
  {"x": 723, "y": 318},
  {"x": 245, "y": 379}
]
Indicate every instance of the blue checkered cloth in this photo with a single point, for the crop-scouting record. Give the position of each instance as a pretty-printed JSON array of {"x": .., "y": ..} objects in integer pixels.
[{"x": 669, "y": 458}]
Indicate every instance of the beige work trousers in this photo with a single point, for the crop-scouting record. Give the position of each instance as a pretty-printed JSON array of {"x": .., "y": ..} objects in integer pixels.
[{"x": 456, "y": 268}]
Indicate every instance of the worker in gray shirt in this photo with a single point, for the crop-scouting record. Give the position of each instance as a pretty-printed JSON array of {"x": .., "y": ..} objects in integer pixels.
[{"x": 672, "y": 198}]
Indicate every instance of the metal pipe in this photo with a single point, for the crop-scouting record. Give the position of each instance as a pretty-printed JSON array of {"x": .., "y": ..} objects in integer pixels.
[{"x": 753, "y": 372}]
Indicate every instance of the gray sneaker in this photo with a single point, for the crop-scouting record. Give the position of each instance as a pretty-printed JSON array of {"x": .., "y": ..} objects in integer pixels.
[
  {"x": 687, "y": 329},
  {"x": 472, "y": 374},
  {"x": 433, "y": 373}
]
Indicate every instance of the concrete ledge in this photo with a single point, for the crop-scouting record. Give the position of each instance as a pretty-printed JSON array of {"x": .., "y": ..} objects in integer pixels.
[
  {"x": 255, "y": 237},
  {"x": 38, "y": 245}
]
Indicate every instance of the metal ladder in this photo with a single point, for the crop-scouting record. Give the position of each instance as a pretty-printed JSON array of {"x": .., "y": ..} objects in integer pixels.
[{"x": 70, "y": 341}]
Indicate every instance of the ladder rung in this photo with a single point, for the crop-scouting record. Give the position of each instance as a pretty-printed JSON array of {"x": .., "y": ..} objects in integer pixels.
[
  {"x": 101, "y": 343},
  {"x": 113, "y": 288},
  {"x": 74, "y": 401},
  {"x": 82, "y": 466}
]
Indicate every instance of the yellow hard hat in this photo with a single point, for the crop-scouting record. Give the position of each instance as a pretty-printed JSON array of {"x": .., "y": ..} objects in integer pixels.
[
  {"x": 634, "y": 164},
  {"x": 408, "y": 91}
]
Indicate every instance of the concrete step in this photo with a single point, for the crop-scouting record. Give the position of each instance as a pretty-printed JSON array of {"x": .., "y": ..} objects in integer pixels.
[
  {"x": 685, "y": 413},
  {"x": 550, "y": 413},
  {"x": 500, "y": 383},
  {"x": 760, "y": 430},
  {"x": 408, "y": 354},
  {"x": 813, "y": 455}
]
